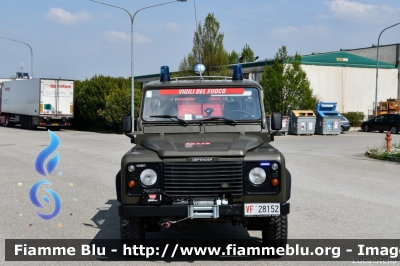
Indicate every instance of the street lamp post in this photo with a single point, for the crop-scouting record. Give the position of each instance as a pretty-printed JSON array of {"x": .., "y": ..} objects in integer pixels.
[
  {"x": 377, "y": 66},
  {"x": 29, "y": 48},
  {"x": 132, "y": 20}
]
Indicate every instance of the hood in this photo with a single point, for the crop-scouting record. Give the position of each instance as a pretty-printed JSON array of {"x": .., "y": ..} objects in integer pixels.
[{"x": 179, "y": 145}]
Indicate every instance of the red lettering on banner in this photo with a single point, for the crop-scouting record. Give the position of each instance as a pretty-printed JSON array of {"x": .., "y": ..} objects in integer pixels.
[{"x": 202, "y": 91}]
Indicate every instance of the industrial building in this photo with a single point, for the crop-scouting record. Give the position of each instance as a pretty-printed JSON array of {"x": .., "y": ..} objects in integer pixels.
[{"x": 347, "y": 77}]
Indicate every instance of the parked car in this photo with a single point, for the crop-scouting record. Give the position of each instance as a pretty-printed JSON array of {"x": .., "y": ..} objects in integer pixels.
[
  {"x": 386, "y": 122},
  {"x": 345, "y": 126}
]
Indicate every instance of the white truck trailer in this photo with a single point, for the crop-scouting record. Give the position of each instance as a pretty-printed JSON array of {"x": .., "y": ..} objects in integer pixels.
[{"x": 37, "y": 102}]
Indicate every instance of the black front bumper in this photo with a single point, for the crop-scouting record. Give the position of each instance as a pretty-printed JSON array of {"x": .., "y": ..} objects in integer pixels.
[{"x": 182, "y": 210}]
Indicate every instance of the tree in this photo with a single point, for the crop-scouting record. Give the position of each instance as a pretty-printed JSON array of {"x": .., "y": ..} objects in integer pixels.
[
  {"x": 101, "y": 102},
  {"x": 233, "y": 57},
  {"x": 186, "y": 65},
  {"x": 247, "y": 54},
  {"x": 208, "y": 49},
  {"x": 286, "y": 86}
]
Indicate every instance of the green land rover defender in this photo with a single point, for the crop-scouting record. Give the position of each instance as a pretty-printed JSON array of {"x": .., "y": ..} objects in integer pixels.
[{"x": 202, "y": 154}]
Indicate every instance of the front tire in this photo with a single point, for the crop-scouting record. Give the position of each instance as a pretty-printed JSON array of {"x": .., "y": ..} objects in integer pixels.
[
  {"x": 341, "y": 129},
  {"x": 366, "y": 128},
  {"x": 394, "y": 130},
  {"x": 132, "y": 231},
  {"x": 275, "y": 231}
]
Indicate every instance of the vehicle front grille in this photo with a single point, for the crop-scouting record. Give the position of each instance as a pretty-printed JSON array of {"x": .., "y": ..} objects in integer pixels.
[{"x": 203, "y": 179}]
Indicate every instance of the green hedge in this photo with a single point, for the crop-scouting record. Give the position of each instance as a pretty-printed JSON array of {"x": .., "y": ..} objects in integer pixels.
[
  {"x": 355, "y": 118},
  {"x": 101, "y": 102}
]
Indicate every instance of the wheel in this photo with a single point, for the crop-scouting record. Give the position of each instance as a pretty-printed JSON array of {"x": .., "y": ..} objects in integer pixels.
[
  {"x": 341, "y": 129},
  {"x": 132, "y": 231},
  {"x": 26, "y": 122},
  {"x": 30, "y": 123},
  {"x": 275, "y": 231},
  {"x": 234, "y": 111},
  {"x": 366, "y": 128},
  {"x": 22, "y": 121},
  {"x": 8, "y": 123},
  {"x": 118, "y": 186},
  {"x": 394, "y": 130}
]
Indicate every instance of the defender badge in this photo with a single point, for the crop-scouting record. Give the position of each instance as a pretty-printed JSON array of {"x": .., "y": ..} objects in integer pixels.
[{"x": 203, "y": 159}]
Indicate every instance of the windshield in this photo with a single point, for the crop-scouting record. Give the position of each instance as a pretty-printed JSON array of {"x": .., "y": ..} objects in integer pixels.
[{"x": 201, "y": 104}]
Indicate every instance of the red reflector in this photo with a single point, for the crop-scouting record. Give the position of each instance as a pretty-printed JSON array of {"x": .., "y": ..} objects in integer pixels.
[
  {"x": 275, "y": 182},
  {"x": 131, "y": 183},
  {"x": 42, "y": 124}
]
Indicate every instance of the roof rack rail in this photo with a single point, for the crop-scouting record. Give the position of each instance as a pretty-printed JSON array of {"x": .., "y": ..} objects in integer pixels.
[{"x": 202, "y": 77}]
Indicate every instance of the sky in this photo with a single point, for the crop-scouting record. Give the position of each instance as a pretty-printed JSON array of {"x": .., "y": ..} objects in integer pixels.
[{"x": 77, "y": 39}]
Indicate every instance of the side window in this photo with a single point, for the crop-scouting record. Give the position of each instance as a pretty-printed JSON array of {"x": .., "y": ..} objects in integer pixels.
[
  {"x": 379, "y": 118},
  {"x": 389, "y": 117}
]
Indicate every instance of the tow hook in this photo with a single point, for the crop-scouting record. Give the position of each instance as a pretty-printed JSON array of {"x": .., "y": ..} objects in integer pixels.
[
  {"x": 164, "y": 225},
  {"x": 167, "y": 224}
]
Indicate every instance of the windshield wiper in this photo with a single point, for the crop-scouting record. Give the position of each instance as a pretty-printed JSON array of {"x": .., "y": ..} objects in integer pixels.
[
  {"x": 216, "y": 118},
  {"x": 170, "y": 117}
]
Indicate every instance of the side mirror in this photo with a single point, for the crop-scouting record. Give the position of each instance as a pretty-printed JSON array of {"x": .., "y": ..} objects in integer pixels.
[
  {"x": 127, "y": 124},
  {"x": 276, "y": 121}
]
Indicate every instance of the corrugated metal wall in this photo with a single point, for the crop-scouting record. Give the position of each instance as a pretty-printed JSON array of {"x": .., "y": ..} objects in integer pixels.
[{"x": 352, "y": 88}]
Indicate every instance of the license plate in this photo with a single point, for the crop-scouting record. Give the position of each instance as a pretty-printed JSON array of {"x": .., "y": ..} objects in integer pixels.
[
  {"x": 262, "y": 209},
  {"x": 54, "y": 124}
]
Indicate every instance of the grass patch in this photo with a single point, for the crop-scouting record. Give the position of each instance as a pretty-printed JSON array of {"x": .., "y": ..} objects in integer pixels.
[{"x": 381, "y": 153}]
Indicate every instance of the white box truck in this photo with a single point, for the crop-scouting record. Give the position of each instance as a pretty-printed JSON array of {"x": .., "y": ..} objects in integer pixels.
[{"x": 37, "y": 102}]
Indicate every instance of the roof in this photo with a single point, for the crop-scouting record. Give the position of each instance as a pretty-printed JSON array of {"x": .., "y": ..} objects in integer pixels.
[
  {"x": 343, "y": 59},
  {"x": 338, "y": 59}
]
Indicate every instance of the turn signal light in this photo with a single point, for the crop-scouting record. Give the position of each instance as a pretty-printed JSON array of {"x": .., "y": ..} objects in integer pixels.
[
  {"x": 131, "y": 183},
  {"x": 275, "y": 182}
]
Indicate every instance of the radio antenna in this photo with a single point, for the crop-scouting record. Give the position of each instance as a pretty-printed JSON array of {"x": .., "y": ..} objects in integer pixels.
[
  {"x": 198, "y": 45},
  {"x": 198, "y": 34}
]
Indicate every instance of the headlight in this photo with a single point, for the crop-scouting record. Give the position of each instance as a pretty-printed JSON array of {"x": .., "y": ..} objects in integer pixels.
[
  {"x": 274, "y": 166},
  {"x": 148, "y": 177},
  {"x": 257, "y": 176}
]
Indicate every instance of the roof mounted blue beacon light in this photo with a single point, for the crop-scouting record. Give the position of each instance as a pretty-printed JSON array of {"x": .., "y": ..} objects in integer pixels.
[
  {"x": 237, "y": 72},
  {"x": 164, "y": 75}
]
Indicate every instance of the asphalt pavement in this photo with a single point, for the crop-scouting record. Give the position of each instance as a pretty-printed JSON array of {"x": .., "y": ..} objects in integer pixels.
[{"x": 337, "y": 192}]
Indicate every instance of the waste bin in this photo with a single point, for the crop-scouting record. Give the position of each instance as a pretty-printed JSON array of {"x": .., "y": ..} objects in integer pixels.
[
  {"x": 285, "y": 125},
  {"x": 328, "y": 119},
  {"x": 302, "y": 122}
]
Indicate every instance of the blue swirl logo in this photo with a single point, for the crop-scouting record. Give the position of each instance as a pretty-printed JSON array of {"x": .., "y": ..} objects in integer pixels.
[
  {"x": 35, "y": 200},
  {"x": 39, "y": 167},
  {"x": 45, "y": 153}
]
